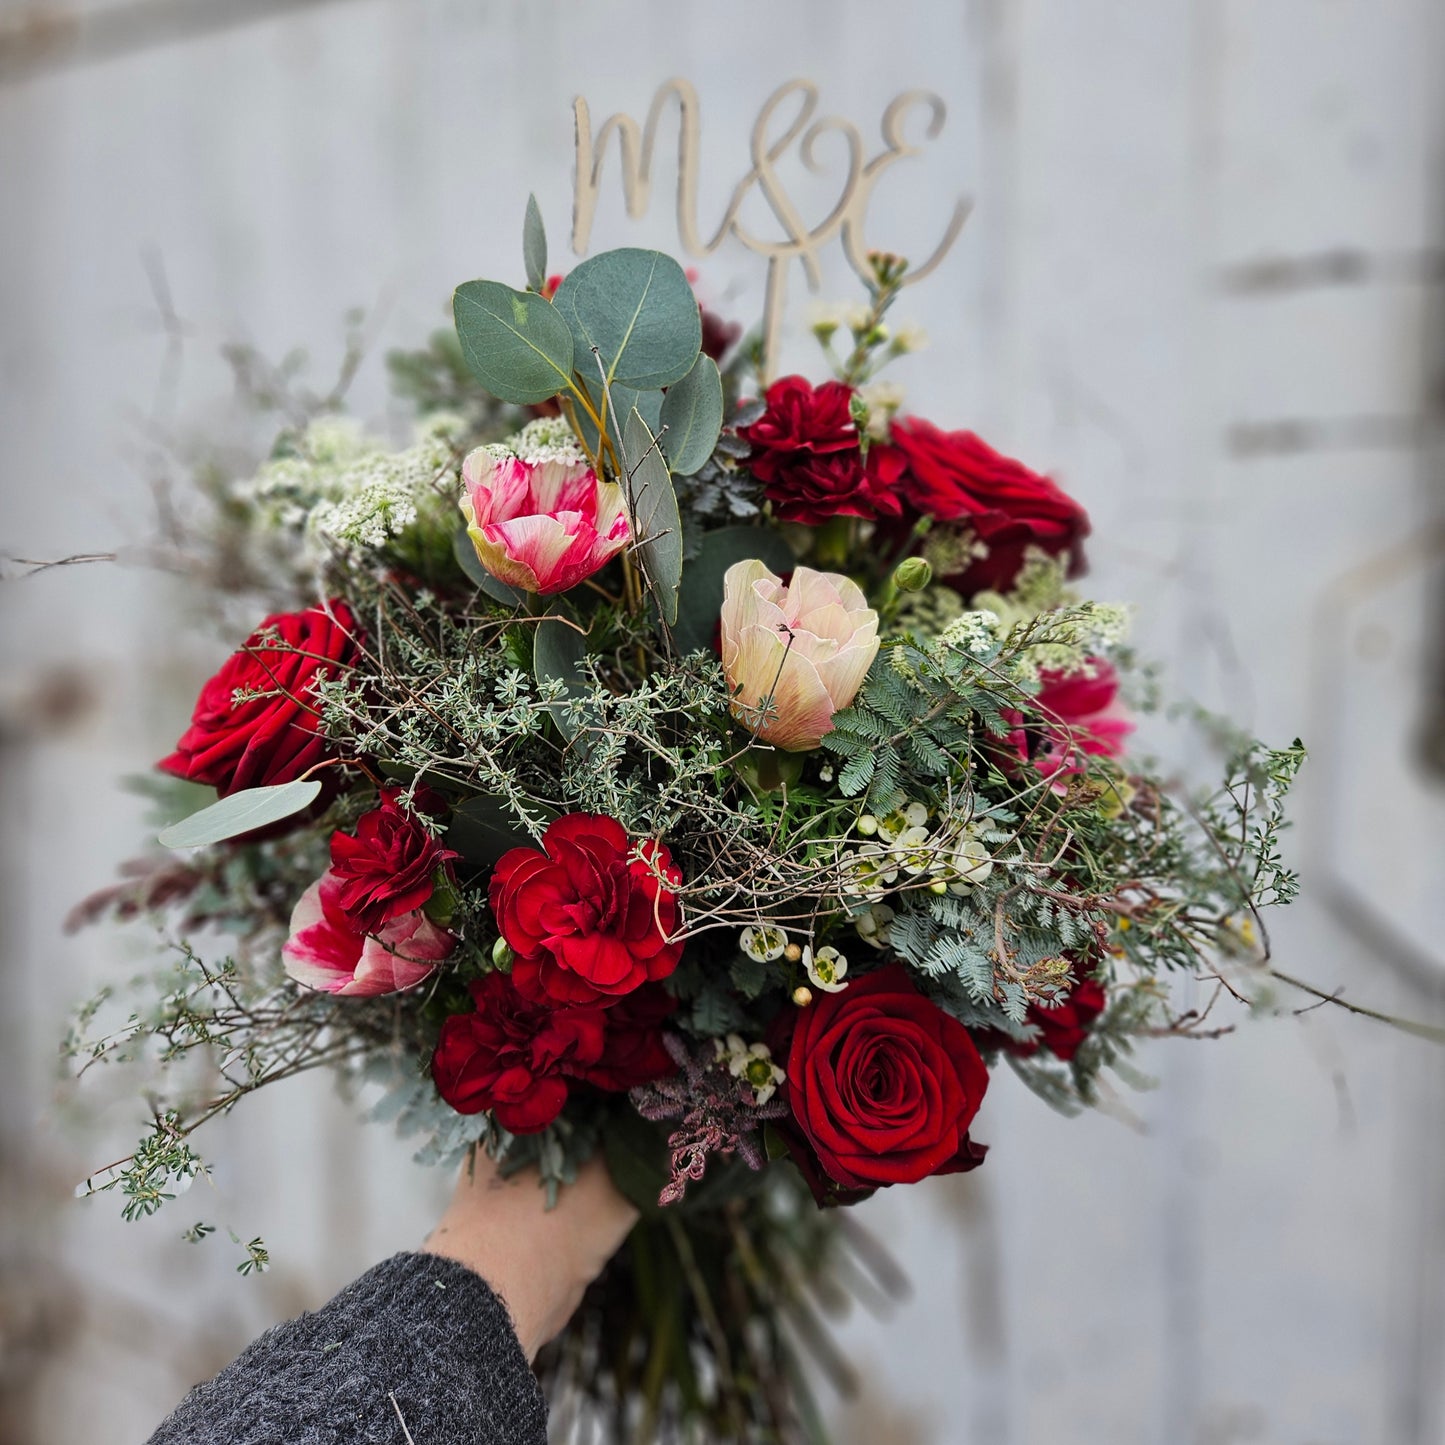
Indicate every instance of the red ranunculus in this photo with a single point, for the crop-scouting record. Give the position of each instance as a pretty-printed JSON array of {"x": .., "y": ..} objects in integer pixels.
[
  {"x": 586, "y": 915},
  {"x": 883, "y": 1084},
  {"x": 1061, "y": 1027},
  {"x": 517, "y": 1057},
  {"x": 513, "y": 1056},
  {"x": 1081, "y": 714},
  {"x": 388, "y": 866},
  {"x": 273, "y": 738},
  {"x": 806, "y": 452},
  {"x": 957, "y": 477}
]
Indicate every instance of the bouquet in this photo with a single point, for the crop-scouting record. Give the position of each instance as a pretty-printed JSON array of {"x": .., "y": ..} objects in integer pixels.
[{"x": 718, "y": 772}]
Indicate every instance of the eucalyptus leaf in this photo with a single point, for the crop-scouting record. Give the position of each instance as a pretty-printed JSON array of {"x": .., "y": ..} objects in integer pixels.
[
  {"x": 242, "y": 812},
  {"x": 515, "y": 343},
  {"x": 700, "y": 604},
  {"x": 471, "y": 564},
  {"x": 534, "y": 245},
  {"x": 557, "y": 649},
  {"x": 637, "y": 309},
  {"x": 692, "y": 412},
  {"x": 656, "y": 522},
  {"x": 482, "y": 829}
]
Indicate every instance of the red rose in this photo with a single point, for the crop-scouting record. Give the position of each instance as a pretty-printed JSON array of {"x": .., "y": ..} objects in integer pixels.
[
  {"x": 957, "y": 477},
  {"x": 883, "y": 1084},
  {"x": 388, "y": 866},
  {"x": 1062, "y": 1027},
  {"x": 272, "y": 738},
  {"x": 805, "y": 451},
  {"x": 512, "y": 1056},
  {"x": 517, "y": 1058},
  {"x": 588, "y": 921}
]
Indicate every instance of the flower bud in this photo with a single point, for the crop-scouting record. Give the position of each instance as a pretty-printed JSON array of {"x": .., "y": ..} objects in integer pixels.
[
  {"x": 912, "y": 574},
  {"x": 793, "y": 952},
  {"x": 802, "y": 996}
]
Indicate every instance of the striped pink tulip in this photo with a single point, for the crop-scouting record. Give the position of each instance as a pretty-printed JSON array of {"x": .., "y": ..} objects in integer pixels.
[{"x": 541, "y": 526}]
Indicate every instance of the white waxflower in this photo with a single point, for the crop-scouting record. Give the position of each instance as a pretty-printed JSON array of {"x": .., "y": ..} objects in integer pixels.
[
  {"x": 882, "y": 399},
  {"x": 910, "y": 337},
  {"x": 902, "y": 820},
  {"x": 825, "y": 968},
  {"x": 763, "y": 944},
  {"x": 824, "y": 318},
  {"x": 872, "y": 924},
  {"x": 871, "y": 870},
  {"x": 856, "y": 316},
  {"x": 969, "y": 865},
  {"x": 916, "y": 850},
  {"x": 753, "y": 1063}
]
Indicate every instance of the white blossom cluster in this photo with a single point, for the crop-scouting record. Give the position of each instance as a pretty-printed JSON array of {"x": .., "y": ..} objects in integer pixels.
[
  {"x": 901, "y": 849},
  {"x": 343, "y": 487}
]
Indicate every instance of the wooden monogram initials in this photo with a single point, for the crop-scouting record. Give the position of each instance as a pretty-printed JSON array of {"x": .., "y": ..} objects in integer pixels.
[{"x": 800, "y": 242}]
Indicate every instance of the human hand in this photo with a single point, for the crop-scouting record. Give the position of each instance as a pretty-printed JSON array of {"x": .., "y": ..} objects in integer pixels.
[{"x": 539, "y": 1260}]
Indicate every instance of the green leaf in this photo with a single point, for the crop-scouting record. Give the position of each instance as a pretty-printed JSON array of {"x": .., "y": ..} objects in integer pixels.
[
  {"x": 637, "y": 309},
  {"x": 556, "y": 651},
  {"x": 242, "y": 812},
  {"x": 471, "y": 564},
  {"x": 482, "y": 829},
  {"x": 534, "y": 245},
  {"x": 692, "y": 412},
  {"x": 636, "y": 1155},
  {"x": 516, "y": 344},
  {"x": 700, "y": 605},
  {"x": 656, "y": 522}
]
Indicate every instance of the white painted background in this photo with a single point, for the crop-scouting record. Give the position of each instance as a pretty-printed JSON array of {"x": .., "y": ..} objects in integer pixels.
[{"x": 1201, "y": 285}]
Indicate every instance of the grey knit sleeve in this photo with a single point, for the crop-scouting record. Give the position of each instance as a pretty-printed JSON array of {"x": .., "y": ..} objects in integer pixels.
[{"x": 423, "y": 1332}]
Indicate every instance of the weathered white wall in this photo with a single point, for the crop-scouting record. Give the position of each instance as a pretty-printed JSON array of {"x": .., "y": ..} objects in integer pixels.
[{"x": 1201, "y": 284}]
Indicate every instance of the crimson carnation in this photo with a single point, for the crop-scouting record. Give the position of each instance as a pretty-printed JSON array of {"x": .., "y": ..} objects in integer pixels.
[
  {"x": 957, "y": 477},
  {"x": 882, "y": 1084},
  {"x": 388, "y": 866},
  {"x": 512, "y": 1056},
  {"x": 587, "y": 915},
  {"x": 273, "y": 737},
  {"x": 519, "y": 1058},
  {"x": 806, "y": 452}
]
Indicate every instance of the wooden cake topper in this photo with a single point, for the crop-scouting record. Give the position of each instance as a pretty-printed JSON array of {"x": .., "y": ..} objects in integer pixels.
[{"x": 799, "y": 242}]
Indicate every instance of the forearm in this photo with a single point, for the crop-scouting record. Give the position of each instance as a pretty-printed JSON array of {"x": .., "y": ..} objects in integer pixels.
[{"x": 419, "y": 1340}]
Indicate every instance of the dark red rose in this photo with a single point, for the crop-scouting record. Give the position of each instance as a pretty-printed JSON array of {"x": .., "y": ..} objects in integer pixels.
[
  {"x": 718, "y": 336},
  {"x": 587, "y": 920},
  {"x": 957, "y": 477},
  {"x": 388, "y": 866},
  {"x": 272, "y": 738},
  {"x": 1062, "y": 1027},
  {"x": 512, "y": 1056},
  {"x": 883, "y": 1084},
  {"x": 806, "y": 452}
]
